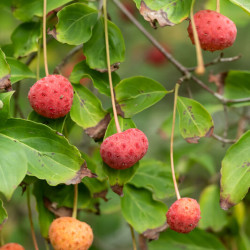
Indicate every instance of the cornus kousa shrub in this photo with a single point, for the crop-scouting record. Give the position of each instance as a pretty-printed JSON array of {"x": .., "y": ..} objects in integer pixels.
[{"x": 110, "y": 137}]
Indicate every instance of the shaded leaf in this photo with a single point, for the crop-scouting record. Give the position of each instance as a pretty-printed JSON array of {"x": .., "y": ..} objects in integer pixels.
[
  {"x": 195, "y": 121},
  {"x": 75, "y": 23},
  {"x": 140, "y": 210},
  {"x": 212, "y": 216},
  {"x": 195, "y": 240},
  {"x": 26, "y": 9},
  {"x": 45, "y": 217},
  {"x": 3, "y": 214},
  {"x": 19, "y": 70},
  {"x": 138, "y": 93},
  {"x": 49, "y": 155},
  {"x": 165, "y": 12},
  {"x": 100, "y": 80},
  {"x": 154, "y": 176},
  {"x": 13, "y": 160},
  {"x": 95, "y": 48},
  {"x": 235, "y": 172},
  {"x": 5, "y": 110},
  {"x": 56, "y": 124},
  {"x": 25, "y": 38},
  {"x": 4, "y": 67},
  {"x": 237, "y": 85}
]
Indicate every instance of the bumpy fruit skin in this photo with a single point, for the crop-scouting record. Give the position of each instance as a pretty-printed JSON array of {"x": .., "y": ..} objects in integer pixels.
[
  {"x": 184, "y": 215},
  {"x": 51, "y": 96},
  {"x": 123, "y": 150},
  {"x": 67, "y": 233},
  {"x": 215, "y": 31},
  {"x": 12, "y": 246}
]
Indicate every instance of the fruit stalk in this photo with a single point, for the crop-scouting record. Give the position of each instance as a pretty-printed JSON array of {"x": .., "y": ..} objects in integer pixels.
[
  {"x": 108, "y": 65},
  {"x": 218, "y": 6},
  {"x": 44, "y": 38},
  {"x": 74, "y": 214},
  {"x": 172, "y": 142},
  {"x": 133, "y": 237},
  {"x": 200, "y": 67},
  {"x": 30, "y": 219}
]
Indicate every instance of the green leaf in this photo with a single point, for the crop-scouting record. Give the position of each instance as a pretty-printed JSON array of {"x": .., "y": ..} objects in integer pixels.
[
  {"x": 95, "y": 48},
  {"x": 45, "y": 217},
  {"x": 140, "y": 210},
  {"x": 244, "y": 4},
  {"x": 63, "y": 195},
  {"x": 25, "y": 38},
  {"x": 154, "y": 176},
  {"x": 195, "y": 121},
  {"x": 75, "y": 23},
  {"x": 19, "y": 70},
  {"x": 49, "y": 155},
  {"x": 13, "y": 165},
  {"x": 56, "y": 124},
  {"x": 195, "y": 240},
  {"x": 4, "y": 67},
  {"x": 237, "y": 85},
  {"x": 212, "y": 216},
  {"x": 138, "y": 93},
  {"x": 165, "y": 12},
  {"x": 100, "y": 80},
  {"x": 5, "y": 110},
  {"x": 119, "y": 177},
  {"x": 26, "y": 9},
  {"x": 3, "y": 214},
  {"x": 235, "y": 172},
  {"x": 87, "y": 109}
]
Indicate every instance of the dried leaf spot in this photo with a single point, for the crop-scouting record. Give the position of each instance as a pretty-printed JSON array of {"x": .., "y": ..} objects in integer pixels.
[{"x": 153, "y": 16}]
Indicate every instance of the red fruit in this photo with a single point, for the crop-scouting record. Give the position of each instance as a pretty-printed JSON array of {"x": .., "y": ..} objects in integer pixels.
[
  {"x": 130, "y": 6},
  {"x": 183, "y": 215},
  {"x": 12, "y": 246},
  {"x": 215, "y": 31},
  {"x": 155, "y": 56},
  {"x": 123, "y": 150},
  {"x": 67, "y": 233},
  {"x": 51, "y": 96}
]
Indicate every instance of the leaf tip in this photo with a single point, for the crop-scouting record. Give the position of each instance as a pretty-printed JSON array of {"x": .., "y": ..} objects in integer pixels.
[
  {"x": 117, "y": 189},
  {"x": 225, "y": 203}
]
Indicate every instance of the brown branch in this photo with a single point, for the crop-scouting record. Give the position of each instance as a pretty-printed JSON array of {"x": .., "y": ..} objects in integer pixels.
[
  {"x": 224, "y": 140},
  {"x": 176, "y": 63},
  {"x": 218, "y": 60},
  {"x": 67, "y": 58}
]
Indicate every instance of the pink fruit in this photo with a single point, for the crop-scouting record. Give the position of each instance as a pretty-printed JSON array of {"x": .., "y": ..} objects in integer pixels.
[
  {"x": 67, "y": 233},
  {"x": 155, "y": 57},
  {"x": 215, "y": 31},
  {"x": 123, "y": 150},
  {"x": 183, "y": 215},
  {"x": 12, "y": 246},
  {"x": 51, "y": 96}
]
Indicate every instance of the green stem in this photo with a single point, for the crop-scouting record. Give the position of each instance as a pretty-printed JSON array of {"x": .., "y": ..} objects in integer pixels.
[
  {"x": 44, "y": 38},
  {"x": 133, "y": 237},
  {"x": 30, "y": 219},
  {"x": 38, "y": 60},
  {"x": 172, "y": 142},
  {"x": 108, "y": 64},
  {"x": 1, "y": 238},
  {"x": 74, "y": 214}
]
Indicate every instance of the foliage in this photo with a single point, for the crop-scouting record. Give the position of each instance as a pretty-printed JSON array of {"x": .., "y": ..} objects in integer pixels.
[{"x": 50, "y": 156}]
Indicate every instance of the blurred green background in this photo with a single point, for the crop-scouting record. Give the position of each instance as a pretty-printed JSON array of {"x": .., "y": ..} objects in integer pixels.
[{"x": 110, "y": 229}]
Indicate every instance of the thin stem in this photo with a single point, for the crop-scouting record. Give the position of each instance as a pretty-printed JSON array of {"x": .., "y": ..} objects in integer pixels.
[
  {"x": 38, "y": 61},
  {"x": 200, "y": 67},
  {"x": 108, "y": 64},
  {"x": 74, "y": 214},
  {"x": 30, "y": 219},
  {"x": 218, "y": 6},
  {"x": 224, "y": 140},
  {"x": 46, "y": 244},
  {"x": 172, "y": 142},
  {"x": 133, "y": 237},
  {"x": 1, "y": 238},
  {"x": 44, "y": 38}
]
